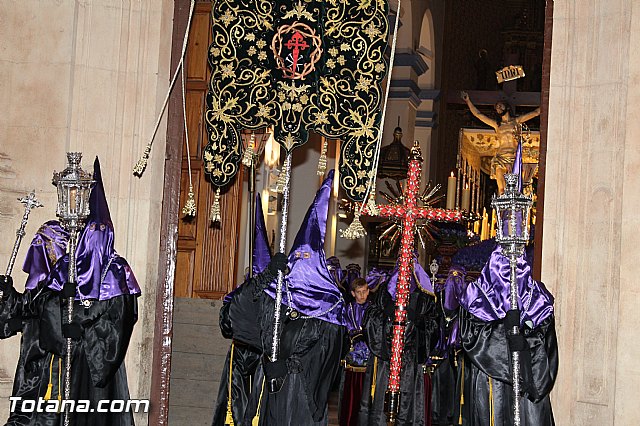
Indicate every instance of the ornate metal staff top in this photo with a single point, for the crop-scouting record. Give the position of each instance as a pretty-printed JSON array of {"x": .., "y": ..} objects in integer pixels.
[{"x": 30, "y": 202}]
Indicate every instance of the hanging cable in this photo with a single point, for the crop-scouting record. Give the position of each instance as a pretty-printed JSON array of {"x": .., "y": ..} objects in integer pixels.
[
  {"x": 189, "y": 208},
  {"x": 141, "y": 165}
]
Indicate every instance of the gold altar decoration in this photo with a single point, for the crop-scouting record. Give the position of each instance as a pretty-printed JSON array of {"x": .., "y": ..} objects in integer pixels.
[{"x": 478, "y": 147}]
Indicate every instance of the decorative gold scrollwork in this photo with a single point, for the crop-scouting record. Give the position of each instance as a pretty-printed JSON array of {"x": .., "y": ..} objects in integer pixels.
[{"x": 297, "y": 66}]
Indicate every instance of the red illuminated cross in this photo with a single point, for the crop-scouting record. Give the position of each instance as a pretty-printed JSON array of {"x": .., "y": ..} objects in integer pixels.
[{"x": 408, "y": 213}]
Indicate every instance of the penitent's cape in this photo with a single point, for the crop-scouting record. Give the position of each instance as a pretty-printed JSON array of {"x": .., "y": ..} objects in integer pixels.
[{"x": 109, "y": 291}]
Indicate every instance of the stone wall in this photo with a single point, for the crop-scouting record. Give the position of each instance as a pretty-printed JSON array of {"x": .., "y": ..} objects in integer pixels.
[
  {"x": 89, "y": 76},
  {"x": 591, "y": 203}
]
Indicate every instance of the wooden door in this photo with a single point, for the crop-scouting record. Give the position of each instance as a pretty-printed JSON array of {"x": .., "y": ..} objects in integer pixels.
[{"x": 206, "y": 261}]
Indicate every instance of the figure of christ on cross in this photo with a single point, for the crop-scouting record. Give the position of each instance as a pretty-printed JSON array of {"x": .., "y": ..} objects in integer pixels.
[{"x": 408, "y": 213}]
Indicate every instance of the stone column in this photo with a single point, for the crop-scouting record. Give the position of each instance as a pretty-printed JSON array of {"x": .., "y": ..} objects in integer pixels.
[
  {"x": 89, "y": 76},
  {"x": 591, "y": 202}
]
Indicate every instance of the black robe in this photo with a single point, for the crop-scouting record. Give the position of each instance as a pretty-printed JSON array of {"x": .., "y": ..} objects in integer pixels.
[
  {"x": 488, "y": 392},
  {"x": 97, "y": 371},
  {"x": 315, "y": 350},
  {"x": 446, "y": 392},
  {"x": 244, "y": 372},
  {"x": 420, "y": 337}
]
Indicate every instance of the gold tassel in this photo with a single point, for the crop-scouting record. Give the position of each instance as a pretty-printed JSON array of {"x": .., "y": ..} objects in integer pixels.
[
  {"x": 189, "y": 208},
  {"x": 374, "y": 378},
  {"x": 215, "y": 214},
  {"x": 461, "y": 390},
  {"x": 256, "y": 419},
  {"x": 322, "y": 162},
  {"x": 59, "y": 379},
  {"x": 47, "y": 396},
  {"x": 249, "y": 153},
  {"x": 281, "y": 179},
  {"x": 229, "y": 420},
  {"x": 492, "y": 421},
  {"x": 141, "y": 165},
  {"x": 355, "y": 230}
]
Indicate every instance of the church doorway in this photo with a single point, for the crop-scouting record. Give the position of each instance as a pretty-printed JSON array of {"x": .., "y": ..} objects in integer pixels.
[{"x": 200, "y": 263}]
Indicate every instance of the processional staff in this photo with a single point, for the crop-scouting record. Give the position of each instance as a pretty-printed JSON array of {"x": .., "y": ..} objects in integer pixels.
[
  {"x": 74, "y": 187},
  {"x": 512, "y": 233}
]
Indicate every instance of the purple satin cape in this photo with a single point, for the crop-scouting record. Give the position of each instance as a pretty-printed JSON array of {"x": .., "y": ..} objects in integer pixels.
[
  {"x": 310, "y": 287},
  {"x": 419, "y": 278},
  {"x": 487, "y": 298},
  {"x": 102, "y": 273},
  {"x": 355, "y": 313},
  {"x": 377, "y": 276},
  {"x": 47, "y": 247}
]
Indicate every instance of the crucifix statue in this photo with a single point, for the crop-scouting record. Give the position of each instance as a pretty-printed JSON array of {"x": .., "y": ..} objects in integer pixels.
[
  {"x": 408, "y": 211},
  {"x": 506, "y": 140}
]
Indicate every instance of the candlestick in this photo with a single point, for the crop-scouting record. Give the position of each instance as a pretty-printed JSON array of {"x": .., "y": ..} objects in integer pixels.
[
  {"x": 451, "y": 192},
  {"x": 466, "y": 196}
]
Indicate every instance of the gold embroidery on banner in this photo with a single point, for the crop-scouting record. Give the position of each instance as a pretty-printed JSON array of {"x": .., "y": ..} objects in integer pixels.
[{"x": 274, "y": 66}]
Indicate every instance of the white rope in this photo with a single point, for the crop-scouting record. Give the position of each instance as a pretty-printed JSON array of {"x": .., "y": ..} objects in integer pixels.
[{"x": 186, "y": 130}]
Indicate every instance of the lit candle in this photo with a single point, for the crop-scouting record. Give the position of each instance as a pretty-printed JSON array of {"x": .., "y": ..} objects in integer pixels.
[
  {"x": 73, "y": 200},
  {"x": 451, "y": 192},
  {"x": 466, "y": 197},
  {"x": 484, "y": 233},
  {"x": 493, "y": 225}
]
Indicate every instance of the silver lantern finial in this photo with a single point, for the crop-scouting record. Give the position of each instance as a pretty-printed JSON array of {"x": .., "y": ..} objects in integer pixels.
[
  {"x": 512, "y": 233},
  {"x": 512, "y": 214},
  {"x": 74, "y": 187}
]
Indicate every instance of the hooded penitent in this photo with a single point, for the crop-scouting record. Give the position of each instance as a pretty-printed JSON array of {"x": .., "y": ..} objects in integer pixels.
[
  {"x": 487, "y": 298},
  {"x": 101, "y": 273},
  {"x": 241, "y": 364},
  {"x": 419, "y": 278},
  {"x": 310, "y": 287},
  {"x": 261, "y": 249},
  {"x": 101, "y": 328},
  {"x": 449, "y": 295}
]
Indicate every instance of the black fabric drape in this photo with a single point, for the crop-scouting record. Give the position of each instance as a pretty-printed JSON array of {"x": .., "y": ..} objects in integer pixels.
[
  {"x": 420, "y": 336},
  {"x": 314, "y": 359},
  {"x": 97, "y": 371},
  {"x": 487, "y": 373}
]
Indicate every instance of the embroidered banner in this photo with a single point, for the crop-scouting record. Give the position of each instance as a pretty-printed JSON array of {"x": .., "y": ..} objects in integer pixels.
[{"x": 297, "y": 66}]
